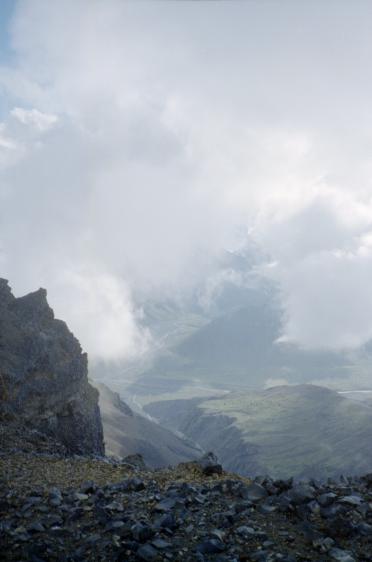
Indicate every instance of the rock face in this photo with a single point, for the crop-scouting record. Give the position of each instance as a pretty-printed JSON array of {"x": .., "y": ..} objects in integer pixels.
[{"x": 43, "y": 374}]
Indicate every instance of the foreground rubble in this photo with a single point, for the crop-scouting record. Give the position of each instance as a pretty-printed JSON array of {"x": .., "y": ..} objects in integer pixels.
[{"x": 77, "y": 509}]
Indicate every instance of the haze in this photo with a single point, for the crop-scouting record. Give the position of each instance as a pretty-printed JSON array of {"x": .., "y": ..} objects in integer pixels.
[{"x": 141, "y": 141}]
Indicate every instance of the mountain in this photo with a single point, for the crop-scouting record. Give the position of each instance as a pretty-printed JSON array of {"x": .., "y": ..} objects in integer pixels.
[
  {"x": 44, "y": 384},
  {"x": 233, "y": 343},
  {"x": 241, "y": 346},
  {"x": 127, "y": 433},
  {"x": 302, "y": 430},
  {"x": 55, "y": 505}
]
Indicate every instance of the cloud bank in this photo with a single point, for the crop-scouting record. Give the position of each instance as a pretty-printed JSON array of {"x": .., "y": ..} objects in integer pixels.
[{"x": 139, "y": 140}]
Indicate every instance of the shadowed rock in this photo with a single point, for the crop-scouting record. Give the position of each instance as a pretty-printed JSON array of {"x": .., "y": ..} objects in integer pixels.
[{"x": 44, "y": 374}]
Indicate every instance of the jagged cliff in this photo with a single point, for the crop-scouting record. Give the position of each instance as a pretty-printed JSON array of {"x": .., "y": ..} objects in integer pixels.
[{"x": 44, "y": 374}]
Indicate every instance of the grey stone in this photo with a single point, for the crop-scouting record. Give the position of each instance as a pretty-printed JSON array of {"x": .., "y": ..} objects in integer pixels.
[
  {"x": 211, "y": 546},
  {"x": 301, "y": 494},
  {"x": 36, "y": 527},
  {"x": 147, "y": 552},
  {"x": 255, "y": 492},
  {"x": 161, "y": 544},
  {"x": 341, "y": 555},
  {"x": 209, "y": 464},
  {"x": 326, "y": 499},
  {"x": 80, "y": 497},
  {"x": 142, "y": 532},
  {"x": 351, "y": 500},
  {"x": 134, "y": 460},
  {"x": 246, "y": 532}
]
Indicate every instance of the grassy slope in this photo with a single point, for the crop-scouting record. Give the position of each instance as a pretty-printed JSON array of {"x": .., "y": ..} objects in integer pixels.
[
  {"x": 298, "y": 430},
  {"x": 301, "y": 427}
]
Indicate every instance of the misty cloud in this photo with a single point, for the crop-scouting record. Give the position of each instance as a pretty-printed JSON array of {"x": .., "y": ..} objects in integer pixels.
[
  {"x": 143, "y": 138},
  {"x": 42, "y": 121}
]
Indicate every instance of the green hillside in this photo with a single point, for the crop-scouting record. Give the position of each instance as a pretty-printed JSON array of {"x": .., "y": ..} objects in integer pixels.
[{"x": 288, "y": 430}]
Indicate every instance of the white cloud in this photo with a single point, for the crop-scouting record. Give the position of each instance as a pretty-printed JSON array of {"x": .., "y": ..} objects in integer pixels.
[
  {"x": 42, "y": 121},
  {"x": 169, "y": 140},
  {"x": 271, "y": 383},
  {"x": 100, "y": 310},
  {"x": 324, "y": 263},
  {"x": 7, "y": 143}
]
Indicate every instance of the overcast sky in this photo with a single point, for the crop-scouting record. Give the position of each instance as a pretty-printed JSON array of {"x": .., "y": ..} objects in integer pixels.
[{"x": 140, "y": 139}]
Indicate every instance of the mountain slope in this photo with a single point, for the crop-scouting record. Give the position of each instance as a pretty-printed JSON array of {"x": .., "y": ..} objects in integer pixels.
[
  {"x": 237, "y": 347},
  {"x": 126, "y": 433},
  {"x": 301, "y": 430}
]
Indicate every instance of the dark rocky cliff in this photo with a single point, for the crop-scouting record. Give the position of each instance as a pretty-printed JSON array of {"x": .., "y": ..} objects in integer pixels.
[{"x": 43, "y": 374}]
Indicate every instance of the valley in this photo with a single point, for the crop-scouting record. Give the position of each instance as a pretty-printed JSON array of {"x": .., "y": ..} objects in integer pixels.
[{"x": 301, "y": 430}]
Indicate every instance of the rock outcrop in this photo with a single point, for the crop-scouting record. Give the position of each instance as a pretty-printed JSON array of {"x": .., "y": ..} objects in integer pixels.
[{"x": 44, "y": 375}]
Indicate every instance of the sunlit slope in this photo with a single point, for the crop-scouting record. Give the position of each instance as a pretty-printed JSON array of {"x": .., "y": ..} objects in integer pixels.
[{"x": 288, "y": 430}]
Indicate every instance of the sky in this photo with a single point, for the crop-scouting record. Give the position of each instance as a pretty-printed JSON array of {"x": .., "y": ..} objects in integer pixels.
[{"x": 139, "y": 140}]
